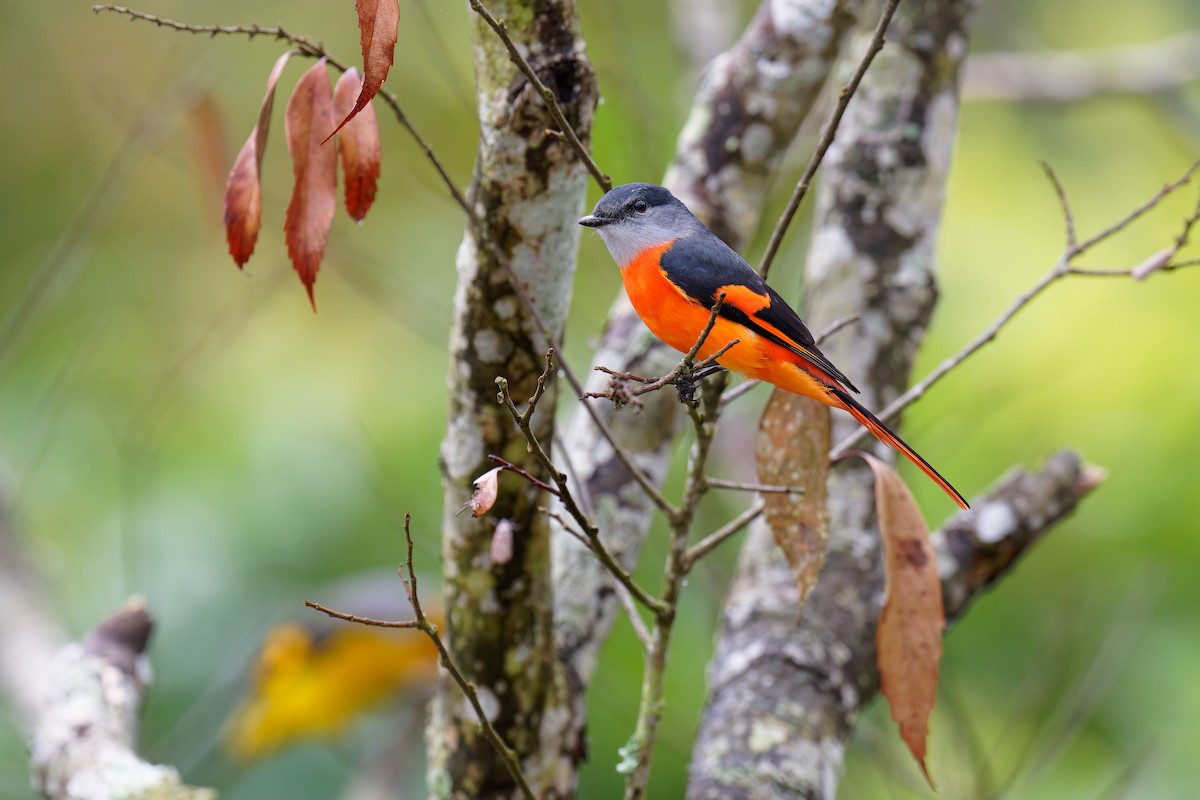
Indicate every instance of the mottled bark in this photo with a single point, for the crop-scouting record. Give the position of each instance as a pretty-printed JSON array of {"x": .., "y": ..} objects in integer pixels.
[
  {"x": 748, "y": 109},
  {"x": 877, "y": 217},
  {"x": 527, "y": 191},
  {"x": 784, "y": 700},
  {"x": 84, "y": 743}
]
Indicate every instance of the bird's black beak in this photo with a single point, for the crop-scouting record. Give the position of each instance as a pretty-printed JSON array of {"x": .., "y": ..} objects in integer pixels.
[{"x": 592, "y": 221}]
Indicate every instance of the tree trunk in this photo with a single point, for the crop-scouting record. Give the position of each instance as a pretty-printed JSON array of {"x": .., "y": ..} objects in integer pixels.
[{"x": 527, "y": 191}]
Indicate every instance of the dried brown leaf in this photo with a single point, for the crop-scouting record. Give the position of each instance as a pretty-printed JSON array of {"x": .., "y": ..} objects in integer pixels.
[
  {"x": 358, "y": 145},
  {"x": 314, "y": 195},
  {"x": 487, "y": 488},
  {"x": 793, "y": 448},
  {"x": 243, "y": 189},
  {"x": 909, "y": 636},
  {"x": 377, "y": 33}
]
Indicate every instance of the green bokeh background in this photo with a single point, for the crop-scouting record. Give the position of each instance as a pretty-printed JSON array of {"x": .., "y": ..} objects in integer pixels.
[{"x": 173, "y": 428}]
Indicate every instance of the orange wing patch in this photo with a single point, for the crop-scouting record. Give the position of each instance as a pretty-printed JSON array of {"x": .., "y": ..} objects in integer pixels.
[{"x": 744, "y": 298}]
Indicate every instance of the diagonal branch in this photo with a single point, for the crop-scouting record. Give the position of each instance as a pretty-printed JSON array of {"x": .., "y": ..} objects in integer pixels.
[{"x": 544, "y": 92}]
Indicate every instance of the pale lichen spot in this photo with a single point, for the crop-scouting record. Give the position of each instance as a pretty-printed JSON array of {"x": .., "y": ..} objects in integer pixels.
[{"x": 767, "y": 733}]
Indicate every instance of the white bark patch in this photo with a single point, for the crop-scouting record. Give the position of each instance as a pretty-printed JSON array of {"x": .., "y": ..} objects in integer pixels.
[
  {"x": 995, "y": 522},
  {"x": 802, "y": 20},
  {"x": 491, "y": 346}
]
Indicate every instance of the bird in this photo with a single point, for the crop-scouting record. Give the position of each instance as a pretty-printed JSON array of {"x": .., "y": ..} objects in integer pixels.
[{"x": 675, "y": 270}]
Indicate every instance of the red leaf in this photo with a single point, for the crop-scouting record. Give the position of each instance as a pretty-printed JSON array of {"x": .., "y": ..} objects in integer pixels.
[
  {"x": 358, "y": 145},
  {"x": 314, "y": 195},
  {"x": 243, "y": 192},
  {"x": 793, "y": 450},
  {"x": 377, "y": 22},
  {"x": 210, "y": 148},
  {"x": 909, "y": 636}
]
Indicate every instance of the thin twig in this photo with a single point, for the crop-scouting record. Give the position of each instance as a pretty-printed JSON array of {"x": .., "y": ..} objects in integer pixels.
[
  {"x": 708, "y": 543},
  {"x": 591, "y": 532},
  {"x": 308, "y": 48},
  {"x": 761, "y": 488},
  {"x": 368, "y": 621},
  {"x": 422, "y": 623},
  {"x": 1061, "y": 194},
  {"x": 631, "y": 613},
  {"x": 1060, "y": 270},
  {"x": 680, "y": 375},
  {"x": 827, "y": 136},
  {"x": 545, "y": 92},
  {"x": 511, "y": 467}
]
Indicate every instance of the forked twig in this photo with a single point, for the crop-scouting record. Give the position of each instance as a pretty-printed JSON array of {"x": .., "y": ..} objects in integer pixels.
[{"x": 421, "y": 622}]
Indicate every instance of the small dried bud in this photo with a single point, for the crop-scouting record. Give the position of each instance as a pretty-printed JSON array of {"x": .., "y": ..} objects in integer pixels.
[
  {"x": 1152, "y": 264},
  {"x": 502, "y": 542}
]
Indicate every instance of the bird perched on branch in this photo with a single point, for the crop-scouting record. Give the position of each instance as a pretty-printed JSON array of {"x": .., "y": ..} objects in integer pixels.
[{"x": 675, "y": 271}]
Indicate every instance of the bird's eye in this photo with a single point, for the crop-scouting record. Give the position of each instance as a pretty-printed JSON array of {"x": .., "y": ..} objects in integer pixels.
[{"x": 640, "y": 206}]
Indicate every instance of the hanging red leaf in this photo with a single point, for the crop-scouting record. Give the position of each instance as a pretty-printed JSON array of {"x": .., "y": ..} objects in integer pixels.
[
  {"x": 909, "y": 637},
  {"x": 243, "y": 190},
  {"x": 377, "y": 23},
  {"x": 793, "y": 450},
  {"x": 314, "y": 195},
  {"x": 358, "y": 144}
]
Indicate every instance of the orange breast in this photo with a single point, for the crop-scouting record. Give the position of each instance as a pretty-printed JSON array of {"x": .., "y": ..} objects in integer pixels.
[{"x": 678, "y": 320}]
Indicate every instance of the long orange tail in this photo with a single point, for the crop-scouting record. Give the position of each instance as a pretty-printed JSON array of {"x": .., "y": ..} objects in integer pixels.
[{"x": 884, "y": 434}]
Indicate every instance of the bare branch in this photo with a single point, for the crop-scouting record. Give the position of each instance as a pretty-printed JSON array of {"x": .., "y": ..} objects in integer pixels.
[
  {"x": 1164, "y": 65},
  {"x": 421, "y": 622},
  {"x": 740, "y": 486},
  {"x": 84, "y": 739},
  {"x": 308, "y": 48},
  {"x": 710, "y": 542},
  {"x": 1060, "y": 270}
]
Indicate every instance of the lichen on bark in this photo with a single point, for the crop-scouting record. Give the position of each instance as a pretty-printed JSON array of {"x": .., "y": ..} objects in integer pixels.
[{"x": 527, "y": 191}]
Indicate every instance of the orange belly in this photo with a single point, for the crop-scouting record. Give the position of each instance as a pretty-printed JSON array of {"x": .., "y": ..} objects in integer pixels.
[{"x": 678, "y": 320}]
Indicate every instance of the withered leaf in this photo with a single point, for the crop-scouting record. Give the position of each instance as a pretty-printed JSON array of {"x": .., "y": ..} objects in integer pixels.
[
  {"x": 909, "y": 637},
  {"x": 314, "y": 195},
  {"x": 210, "y": 148},
  {"x": 487, "y": 488},
  {"x": 243, "y": 189},
  {"x": 793, "y": 450},
  {"x": 377, "y": 33},
  {"x": 358, "y": 145}
]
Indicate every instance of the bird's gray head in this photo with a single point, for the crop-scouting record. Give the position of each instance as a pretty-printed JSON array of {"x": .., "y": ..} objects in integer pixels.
[{"x": 635, "y": 216}]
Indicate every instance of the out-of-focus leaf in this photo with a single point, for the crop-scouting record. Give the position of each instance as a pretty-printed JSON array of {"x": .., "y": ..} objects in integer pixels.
[
  {"x": 377, "y": 23},
  {"x": 793, "y": 450},
  {"x": 358, "y": 144},
  {"x": 502, "y": 542},
  {"x": 909, "y": 636},
  {"x": 210, "y": 150},
  {"x": 487, "y": 488},
  {"x": 314, "y": 195},
  {"x": 243, "y": 190}
]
